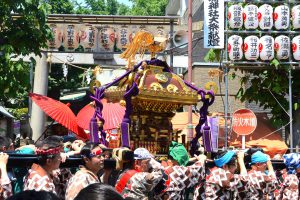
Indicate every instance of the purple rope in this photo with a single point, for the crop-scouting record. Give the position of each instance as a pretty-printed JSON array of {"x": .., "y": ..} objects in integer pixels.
[
  {"x": 161, "y": 63},
  {"x": 126, "y": 122},
  {"x": 123, "y": 76},
  {"x": 191, "y": 85},
  {"x": 99, "y": 94},
  {"x": 203, "y": 118}
]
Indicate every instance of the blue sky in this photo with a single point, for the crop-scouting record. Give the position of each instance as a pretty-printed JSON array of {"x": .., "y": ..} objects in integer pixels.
[{"x": 126, "y": 2}]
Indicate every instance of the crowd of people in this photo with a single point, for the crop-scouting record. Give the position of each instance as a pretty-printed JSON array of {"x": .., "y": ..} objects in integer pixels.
[{"x": 136, "y": 174}]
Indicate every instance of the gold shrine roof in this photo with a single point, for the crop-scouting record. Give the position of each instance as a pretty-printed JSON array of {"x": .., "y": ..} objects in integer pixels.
[{"x": 159, "y": 91}]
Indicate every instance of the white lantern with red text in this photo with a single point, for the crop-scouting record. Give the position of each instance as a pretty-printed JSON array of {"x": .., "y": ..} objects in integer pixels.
[
  {"x": 296, "y": 17},
  {"x": 251, "y": 47},
  {"x": 296, "y": 47},
  {"x": 282, "y": 47},
  {"x": 235, "y": 16},
  {"x": 265, "y": 17},
  {"x": 124, "y": 37},
  {"x": 266, "y": 47},
  {"x": 281, "y": 17},
  {"x": 71, "y": 36},
  {"x": 235, "y": 44},
  {"x": 87, "y": 36},
  {"x": 107, "y": 38},
  {"x": 57, "y": 32},
  {"x": 250, "y": 16}
]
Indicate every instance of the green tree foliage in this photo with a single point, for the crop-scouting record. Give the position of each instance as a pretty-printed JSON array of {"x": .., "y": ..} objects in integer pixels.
[
  {"x": 96, "y": 7},
  {"x": 101, "y": 7},
  {"x": 260, "y": 86},
  {"x": 57, "y": 81},
  {"x": 151, "y": 8},
  {"x": 61, "y": 6},
  {"x": 123, "y": 9},
  {"x": 113, "y": 7},
  {"x": 20, "y": 35}
]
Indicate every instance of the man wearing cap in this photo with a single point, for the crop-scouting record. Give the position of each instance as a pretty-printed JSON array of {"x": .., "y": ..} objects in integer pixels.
[
  {"x": 222, "y": 182},
  {"x": 260, "y": 184},
  {"x": 179, "y": 176},
  {"x": 93, "y": 159},
  {"x": 140, "y": 182},
  {"x": 288, "y": 182}
]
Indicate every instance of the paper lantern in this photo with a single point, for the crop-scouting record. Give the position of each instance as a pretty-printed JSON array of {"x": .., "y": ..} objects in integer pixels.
[
  {"x": 281, "y": 17},
  {"x": 87, "y": 36},
  {"x": 266, "y": 47},
  {"x": 124, "y": 37},
  {"x": 265, "y": 17},
  {"x": 71, "y": 36},
  {"x": 160, "y": 32},
  {"x": 235, "y": 16},
  {"x": 296, "y": 17},
  {"x": 296, "y": 47},
  {"x": 235, "y": 44},
  {"x": 107, "y": 38},
  {"x": 251, "y": 47},
  {"x": 56, "y": 30},
  {"x": 250, "y": 16},
  {"x": 282, "y": 47},
  {"x": 143, "y": 28}
]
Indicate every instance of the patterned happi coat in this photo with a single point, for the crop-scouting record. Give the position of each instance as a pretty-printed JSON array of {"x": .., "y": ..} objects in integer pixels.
[
  {"x": 80, "y": 180},
  {"x": 60, "y": 180},
  {"x": 5, "y": 189},
  {"x": 221, "y": 184},
  {"x": 199, "y": 192},
  {"x": 38, "y": 179},
  {"x": 180, "y": 178},
  {"x": 288, "y": 187},
  {"x": 141, "y": 184},
  {"x": 260, "y": 186}
]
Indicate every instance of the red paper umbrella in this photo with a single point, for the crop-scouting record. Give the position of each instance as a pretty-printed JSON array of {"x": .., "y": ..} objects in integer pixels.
[
  {"x": 112, "y": 113},
  {"x": 58, "y": 111}
]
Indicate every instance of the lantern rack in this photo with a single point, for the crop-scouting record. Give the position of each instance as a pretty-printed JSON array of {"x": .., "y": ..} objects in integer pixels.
[
  {"x": 262, "y": 2},
  {"x": 258, "y": 65},
  {"x": 261, "y": 32},
  {"x": 111, "y": 19},
  {"x": 289, "y": 32},
  {"x": 265, "y": 65}
]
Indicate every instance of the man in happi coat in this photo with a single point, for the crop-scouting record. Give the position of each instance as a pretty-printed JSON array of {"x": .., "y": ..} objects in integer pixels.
[
  {"x": 222, "y": 182},
  {"x": 140, "y": 182},
  {"x": 93, "y": 159},
  {"x": 40, "y": 176},
  {"x": 288, "y": 181},
  {"x": 179, "y": 176},
  {"x": 260, "y": 184}
]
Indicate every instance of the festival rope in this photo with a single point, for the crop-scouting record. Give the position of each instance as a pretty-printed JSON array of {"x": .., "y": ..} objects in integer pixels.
[
  {"x": 99, "y": 94},
  {"x": 203, "y": 120}
]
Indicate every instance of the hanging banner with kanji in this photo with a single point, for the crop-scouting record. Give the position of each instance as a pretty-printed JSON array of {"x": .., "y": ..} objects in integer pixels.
[{"x": 214, "y": 24}]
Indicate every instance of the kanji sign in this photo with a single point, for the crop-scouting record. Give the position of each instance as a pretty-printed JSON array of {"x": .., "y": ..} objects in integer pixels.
[
  {"x": 244, "y": 122},
  {"x": 214, "y": 24}
]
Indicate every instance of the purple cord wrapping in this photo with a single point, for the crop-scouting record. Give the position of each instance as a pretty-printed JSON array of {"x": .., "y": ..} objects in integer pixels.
[
  {"x": 130, "y": 92},
  {"x": 203, "y": 118}
]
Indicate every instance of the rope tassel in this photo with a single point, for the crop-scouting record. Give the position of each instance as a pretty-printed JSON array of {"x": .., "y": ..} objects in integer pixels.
[{"x": 94, "y": 137}]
